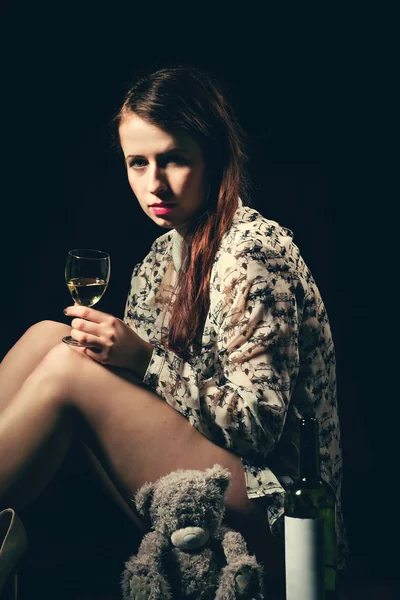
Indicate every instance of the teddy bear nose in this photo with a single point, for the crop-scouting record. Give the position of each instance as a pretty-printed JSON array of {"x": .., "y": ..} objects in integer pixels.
[{"x": 189, "y": 538}]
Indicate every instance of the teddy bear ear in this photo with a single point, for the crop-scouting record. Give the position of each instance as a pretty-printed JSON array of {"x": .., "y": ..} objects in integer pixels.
[
  {"x": 143, "y": 499},
  {"x": 220, "y": 476}
]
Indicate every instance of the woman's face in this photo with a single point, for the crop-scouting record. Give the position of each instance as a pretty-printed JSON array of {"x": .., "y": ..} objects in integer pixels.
[{"x": 166, "y": 172}]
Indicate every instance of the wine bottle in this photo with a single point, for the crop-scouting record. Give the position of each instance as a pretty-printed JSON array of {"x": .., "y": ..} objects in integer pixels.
[{"x": 310, "y": 525}]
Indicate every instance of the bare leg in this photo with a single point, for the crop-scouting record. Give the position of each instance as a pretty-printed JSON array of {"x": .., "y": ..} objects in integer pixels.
[
  {"x": 26, "y": 354},
  {"x": 136, "y": 436},
  {"x": 15, "y": 368}
]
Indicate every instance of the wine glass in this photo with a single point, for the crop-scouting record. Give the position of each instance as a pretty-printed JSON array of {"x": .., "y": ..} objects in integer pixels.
[{"x": 87, "y": 273}]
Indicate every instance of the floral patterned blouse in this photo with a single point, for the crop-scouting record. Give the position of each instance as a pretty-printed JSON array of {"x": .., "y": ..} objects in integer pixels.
[{"x": 267, "y": 357}]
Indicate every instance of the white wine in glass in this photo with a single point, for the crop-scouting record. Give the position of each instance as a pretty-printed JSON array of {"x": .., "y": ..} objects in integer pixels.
[{"x": 87, "y": 273}]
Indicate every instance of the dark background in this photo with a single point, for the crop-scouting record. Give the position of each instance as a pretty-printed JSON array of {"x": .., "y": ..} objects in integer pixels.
[{"x": 307, "y": 90}]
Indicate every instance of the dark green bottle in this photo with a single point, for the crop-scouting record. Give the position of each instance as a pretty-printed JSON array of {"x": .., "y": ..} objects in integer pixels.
[{"x": 310, "y": 525}]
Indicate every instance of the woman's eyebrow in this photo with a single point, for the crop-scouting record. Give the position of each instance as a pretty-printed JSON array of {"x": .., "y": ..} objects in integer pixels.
[
  {"x": 160, "y": 154},
  {"x": 173, "y": 151}
]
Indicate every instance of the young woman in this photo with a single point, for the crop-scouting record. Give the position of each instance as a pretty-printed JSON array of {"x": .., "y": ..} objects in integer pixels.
[{"x": 225, "y": 341}]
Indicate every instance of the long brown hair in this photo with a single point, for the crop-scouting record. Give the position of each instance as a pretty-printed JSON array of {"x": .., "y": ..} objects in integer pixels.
[{"x": 190, "y": 100}]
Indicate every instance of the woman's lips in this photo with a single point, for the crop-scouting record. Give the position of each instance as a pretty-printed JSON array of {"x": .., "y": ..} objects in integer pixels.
[{"x": 163, "y": 209}]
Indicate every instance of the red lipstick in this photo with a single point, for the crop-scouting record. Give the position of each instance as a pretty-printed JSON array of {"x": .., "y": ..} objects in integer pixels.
[{"x": 161, "y": 209}]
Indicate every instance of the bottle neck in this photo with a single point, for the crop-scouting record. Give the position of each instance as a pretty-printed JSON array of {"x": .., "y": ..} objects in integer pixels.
[{"x": 309, "y": 465}]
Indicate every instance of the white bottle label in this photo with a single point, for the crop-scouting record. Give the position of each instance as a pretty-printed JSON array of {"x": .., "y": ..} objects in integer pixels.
[{"x": 304, "y": 559}]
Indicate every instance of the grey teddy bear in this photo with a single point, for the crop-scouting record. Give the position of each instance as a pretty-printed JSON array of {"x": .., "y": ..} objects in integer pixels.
[{"x": 188, "y": 553}]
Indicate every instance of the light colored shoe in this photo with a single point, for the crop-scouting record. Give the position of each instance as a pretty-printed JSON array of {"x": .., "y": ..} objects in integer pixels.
[{"x": 13, "y": 544}]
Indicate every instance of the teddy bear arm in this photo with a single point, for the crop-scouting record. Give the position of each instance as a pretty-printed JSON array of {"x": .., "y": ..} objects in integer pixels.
[
  {"x": 242, "y": 577},
  {"x": 233, "y": 544},
  {"x": 153, "y": 547}
]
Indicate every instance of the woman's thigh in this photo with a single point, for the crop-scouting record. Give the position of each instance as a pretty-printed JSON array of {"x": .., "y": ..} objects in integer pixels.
[
  {"x": 139, "y": 436},
  {"x": 136, "y": 435}
]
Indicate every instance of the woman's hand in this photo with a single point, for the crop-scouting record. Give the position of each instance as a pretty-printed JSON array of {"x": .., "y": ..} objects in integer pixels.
[{"x": 111, "y": 341}]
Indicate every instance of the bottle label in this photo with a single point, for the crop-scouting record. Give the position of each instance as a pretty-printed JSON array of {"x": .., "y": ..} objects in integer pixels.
[{"x": 304, "y": 559}]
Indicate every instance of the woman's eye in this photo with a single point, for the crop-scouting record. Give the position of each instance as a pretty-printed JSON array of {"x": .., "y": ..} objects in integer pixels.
[
  {"x": 175, "y": 159},
  {"x": 137, "y": 163}
]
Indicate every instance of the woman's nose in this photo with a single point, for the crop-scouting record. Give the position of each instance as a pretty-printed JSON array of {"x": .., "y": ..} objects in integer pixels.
[{"x": 157, "y": 182}]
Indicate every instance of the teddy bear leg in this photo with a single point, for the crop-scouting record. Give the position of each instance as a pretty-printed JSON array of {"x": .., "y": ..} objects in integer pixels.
[
  {"x": 139, "y": 583},
  {"x": 241, "y": 580},
  {"x": 139, "y": 587},
  {"x": 144, "y": 587}
]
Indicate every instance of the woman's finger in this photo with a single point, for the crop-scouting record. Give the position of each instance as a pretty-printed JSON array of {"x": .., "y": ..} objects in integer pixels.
[
  {"x": 85, "y": 312},
  {"x": 85, "y": 326},
  {"x": 85, "y": 338},
  {"x": 95, "y": 354}
]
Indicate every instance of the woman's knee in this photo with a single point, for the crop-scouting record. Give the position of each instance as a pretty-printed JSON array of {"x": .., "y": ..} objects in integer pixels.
[
  {"x": 45, "y": 329},
  {"x": 56, "y": 371},
  {"x": 63, "y": 360}
]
